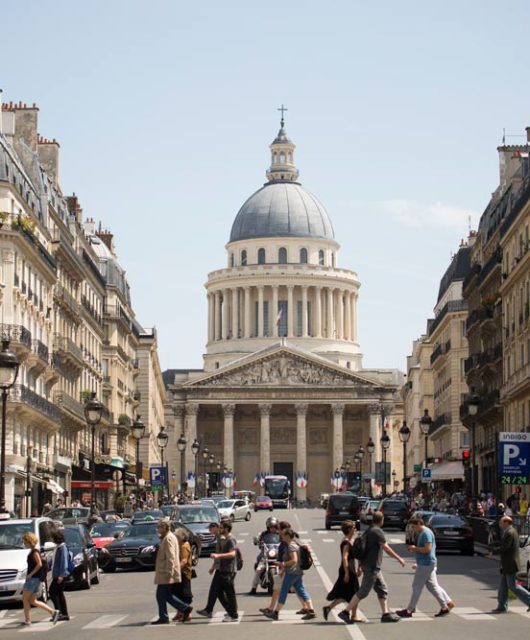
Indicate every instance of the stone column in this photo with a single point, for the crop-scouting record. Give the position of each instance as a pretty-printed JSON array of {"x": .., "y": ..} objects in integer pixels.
[
  {"x": 375, "y": 434},
  {"x": 301, "y": 446},
  {"x": 339, "y": 315},
  {"x": 318, "y": 313},
  {"x": 265, "y": 438},
  {"x": 228, "y": 437},
  {"x": 225, "y": 328},
  {"x": 354, "y": 316},
  {"x": 260, "y": 311},
  {"x": 329, "y": 328},
  {"x": 191, "y": 434},
  {"x": 217, "y": 316},
  {"x": 338, "y": 435},
  {"x": 210, "y": 299},
  {"x": 304, "y": 312},
  {"x": 347, "y": 321},
  {"x": 235, "y": 313},
  {"x": 247, "y": 312},
  {"x": 290, "y": 311},
  {"x": 179, "y": 411},
  {"x": 275, "y": 310}
]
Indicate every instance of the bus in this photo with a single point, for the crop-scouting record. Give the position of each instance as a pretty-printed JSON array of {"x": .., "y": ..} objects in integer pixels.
[{"x": 278, "y": 488}]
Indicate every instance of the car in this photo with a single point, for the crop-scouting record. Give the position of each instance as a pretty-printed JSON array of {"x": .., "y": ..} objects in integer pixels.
[
  {"x": 341, "y": 506},
  {"x": 367, "y": 511},
  {"x": 396, "y": 512},
  {"x": 85, "y": 557},
  {"x": 452, "y": 533},
  {"x": 152, "y": 514},
  {"x": 234, "y": 509},
  {"x": 263, "y": 502},
  {"x": 69, "y": 515},
  {"x": 410, "y": 535},
  {"x": 13, "y": 555},
  {"x": 102, "y": 533},
  {"x": 197, "y": 518},
  {"x": 169, "y": 511},
  {"x": 250, "y": 496}
]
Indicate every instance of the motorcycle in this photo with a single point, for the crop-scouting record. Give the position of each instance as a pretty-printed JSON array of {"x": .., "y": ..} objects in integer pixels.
[{"x": 268, "y": 562}]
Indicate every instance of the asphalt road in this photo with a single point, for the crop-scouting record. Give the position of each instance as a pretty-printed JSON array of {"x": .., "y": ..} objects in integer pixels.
[{"x": 123, "y": 605}]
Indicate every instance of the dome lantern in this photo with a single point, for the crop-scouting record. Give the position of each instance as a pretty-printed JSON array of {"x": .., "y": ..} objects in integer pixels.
[{"x": 282, "y": 167}]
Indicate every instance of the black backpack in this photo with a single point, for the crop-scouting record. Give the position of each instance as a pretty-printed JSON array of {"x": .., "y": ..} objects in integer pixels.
[
  {"x": 239, "y": 559},
  {"x": 306, "y": 559},
  {"x": 358, "y": 548}
]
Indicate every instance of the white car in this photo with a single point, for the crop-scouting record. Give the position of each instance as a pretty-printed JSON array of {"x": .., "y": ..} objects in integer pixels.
[
  {"x": 234, "y": 509},
  {"x": 14, "y": 556}
]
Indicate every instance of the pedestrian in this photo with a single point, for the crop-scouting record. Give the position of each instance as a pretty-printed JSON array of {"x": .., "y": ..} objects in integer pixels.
[
  {"x": 182, "y": 589},
  {"x": 375, "y": 543},
  {"x": 227, "y": 572},
  {"x": 35, "y": 574},
  {"x": 347, "y": 583},
  {"x": 167, "y": 573},
  {"x": 510, "y": 565},
  {"x": 523, "y": 506},
  {"x": 292, "y": 578},
  {"x": 61, "y": 560},
  {"x": 425, "y": 576},
  {"x": 215, "y": 584}
]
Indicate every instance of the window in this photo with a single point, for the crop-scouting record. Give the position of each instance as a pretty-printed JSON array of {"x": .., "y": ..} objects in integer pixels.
[
  {"x": 261, "y": 256},
  {"x": 321, "y": 258},
  {"x": 303, "y": 256},
  {"x": 244, "y": 258},
  {"x": 282, "y": 256},
  {"x": 266, "y": 318},
  {"x": 231, "y": 259},
  {"x": 282, "y": 322},
  {"x": 333, "y": 260},
  {"x": 299, "y": 308},
  {"x": 282, "y": 158}
]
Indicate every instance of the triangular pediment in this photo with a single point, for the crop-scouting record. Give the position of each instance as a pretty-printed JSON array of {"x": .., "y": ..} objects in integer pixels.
[{"x": 282, "y": 366}]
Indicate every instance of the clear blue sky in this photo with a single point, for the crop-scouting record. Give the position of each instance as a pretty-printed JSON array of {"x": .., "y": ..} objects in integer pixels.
[{"x": 165, "y": 109}]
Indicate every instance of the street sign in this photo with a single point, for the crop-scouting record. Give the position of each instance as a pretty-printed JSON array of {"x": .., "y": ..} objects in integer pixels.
[
  {"x": 158, "y": 475},
  {"x": 426, "y": 474},
  {"x": 514, "y": 457},
  {"x": 417, "y": 468}
]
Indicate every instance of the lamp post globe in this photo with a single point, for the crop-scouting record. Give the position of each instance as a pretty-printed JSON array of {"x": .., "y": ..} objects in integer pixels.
[
  {"x": 9, "y": 365},
  {"x": 138, "y": 428},
  {"x": 138, "y": 432},
  {"x": 195, "y": 447},
  {"x": 385, "y": 443},
  {"x": 162, "y": 438},
  {"x": 93, "y": 410},
  {"x": 370, "y": 446},
  {"x": 473, "y": 405},
  {"x": 404, "y": 436},
  {"x": 181, "y": 443}
]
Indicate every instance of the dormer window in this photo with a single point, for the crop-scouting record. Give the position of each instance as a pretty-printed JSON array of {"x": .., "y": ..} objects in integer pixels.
[
  {"x": 282, "y": 256},
  {"x": 321, "y": 258},
  {"x": 261, "y": 256},
  {"x": 244, "y": 258},
  {"x": 303, "y": 256}
]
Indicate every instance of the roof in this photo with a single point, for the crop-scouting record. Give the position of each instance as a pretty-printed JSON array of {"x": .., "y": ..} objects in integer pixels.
[{"x": 457, "y": 270}]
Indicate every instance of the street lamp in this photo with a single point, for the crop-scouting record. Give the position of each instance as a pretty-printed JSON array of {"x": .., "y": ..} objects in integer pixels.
[
  {"x": 29, "y": 468},
  {"x": 219, "y": 467},
  {"x": 425, "y": 426},
  {"x": 395, "y": 483},
  {"x": 174, "y": 482},
  {"x": 360, "y": 455},
  {"x": 93, "y": 412},
  {"x": 181, "y": 446},
  {"x": 370, "y": 448},
  {"x": 205, "y": 456},
  {"x": 195, "y": 448},
  {"x": 138, "y": 431},
  {"x": 162, "y": 440},
  {"x": 9, "y": 365},
  {"x": 385, "y": 443},
  {"x": 473, "y": 404},
  {"x": 404, "y": 436}
]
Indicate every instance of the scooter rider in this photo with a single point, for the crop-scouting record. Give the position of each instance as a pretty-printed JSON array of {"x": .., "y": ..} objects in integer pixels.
[{"x": 270, "y": 536}]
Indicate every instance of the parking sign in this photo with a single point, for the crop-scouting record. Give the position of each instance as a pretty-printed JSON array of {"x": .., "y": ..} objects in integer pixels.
[
  {"x": 514, "y": 457},
  {"x": 158, "y": 475}
]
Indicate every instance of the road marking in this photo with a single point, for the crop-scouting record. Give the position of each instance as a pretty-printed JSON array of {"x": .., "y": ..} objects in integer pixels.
[
  {"x": 219, "y": 615},
  {"x": 418, "y": 616},
  {"x": 396, "y": 541},
  {"x": 240, "y": 541},
  {"x": 244, "y": 534},
  {"x": 303, "y": 532},
  {"x": 522, "y": 611},
  {"x": 104, "y": 622},
  {"x": 288, "y": 616},
  {"x": 328, "y": 540},
  {"x": 40, "y": 626},
  {"x": 471, "y": 613},
  {"x": 305, "y": 540}
]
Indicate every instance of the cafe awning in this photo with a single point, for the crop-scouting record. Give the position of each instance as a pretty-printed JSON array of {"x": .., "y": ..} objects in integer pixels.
[{"x": 451, "y": 470}]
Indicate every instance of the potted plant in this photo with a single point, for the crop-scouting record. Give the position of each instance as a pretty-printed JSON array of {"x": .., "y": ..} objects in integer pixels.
[
  {"x": 124, "y": 419},
  {"x": 4, "y": 215}
]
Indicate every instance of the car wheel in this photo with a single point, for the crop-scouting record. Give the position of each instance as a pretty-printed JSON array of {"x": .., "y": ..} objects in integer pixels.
[
  {"x": 248, "y": 516},
  {"x": 271, "y": 509},
  {"x": 85, "y": 583},
  {"x": 194, "y": 555},
  {"x": 468, "y": 552},
  {"x": 255, "y": 510},
  {"x": 328, "y": 526},
  {"x": 109, "y": 568},
  {"x": 95, "y": 579},
  {"x": 232, "y": 518}
]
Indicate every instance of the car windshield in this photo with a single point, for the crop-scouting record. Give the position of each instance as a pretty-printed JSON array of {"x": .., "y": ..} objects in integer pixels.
[
  {"x": 263, "y": 499},
  {"x": 450, "y": 521},
  {"x": 61, "y": 514},
  {"x": 106, "y": 530},
  {"x": 11, "y": 534},
  {"x": 200, "y": 514},
  {"x": 167, "y": 509},
  {"x": 73, "y": 536},
  {"x": 394, "y": 504},
  {"x": 142, "y": 515},
  {"x": 141, "y": 530},
  {"x": 343, "y": 501},
  {"x": 225, "y": 504}
]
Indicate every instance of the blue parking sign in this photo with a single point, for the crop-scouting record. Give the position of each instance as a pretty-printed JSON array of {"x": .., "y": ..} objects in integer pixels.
[
  {"x": 514, "y": 457},
  {"x": 158, "y": 475},
  {"x": 426, "y": 473}
]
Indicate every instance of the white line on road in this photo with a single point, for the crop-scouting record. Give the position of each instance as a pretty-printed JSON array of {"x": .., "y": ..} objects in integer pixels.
[
  {"x": 471, "y": 613},
  {"x": 288, "y": 617},
  {"x": 328, "y": 540},
  {"x": 418, "y": 616},
  {"x": 522, "y": 611},
  {"x": 240, "y": 541},
  {"x": 302, "y": 533},
  {"x": 396, "y": 541},
  {"x": 244, "y": 534},
  {"x": 104, "y": 622},
  {"x": 219, "y": 615}
]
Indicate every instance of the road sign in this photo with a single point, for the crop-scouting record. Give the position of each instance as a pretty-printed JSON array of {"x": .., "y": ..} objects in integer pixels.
[
  {"x": 158, "y": 475},
  {"x": 514, "y": 457},
  {"x": 417, "y": 468},
  {"x": 426, "y": 474}
]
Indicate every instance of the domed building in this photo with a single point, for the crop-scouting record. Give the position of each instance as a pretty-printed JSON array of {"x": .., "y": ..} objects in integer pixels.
[{"x": 283, "y": 389}]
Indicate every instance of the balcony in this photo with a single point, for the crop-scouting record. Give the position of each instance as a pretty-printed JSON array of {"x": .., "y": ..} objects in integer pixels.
[
  {"x": 470, "y": 363},
  {"x": 65, "y": 247},
  {"x": 19, "y": 338},
  {"x": 91, "y": 310},
  {"x": 21, "y": 395},
  {"x": 67, "y": 301},
  {"x": 117, "y": 312},
  {"x": 69, "y": 353},
  {"x": 493, "y": 262},
  {"x": 70, "y": 406},
  {"x": 19, "y": 225},
  {"x": 39, "y": 358},
  {"x": 440, "y": 350},
  {"x": 453, "y": 306},
  {"x": 439, "y": 422}
]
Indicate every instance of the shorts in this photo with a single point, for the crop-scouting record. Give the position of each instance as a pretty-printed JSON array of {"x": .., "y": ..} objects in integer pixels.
[
  {"x": 32, "y": 585},
  {"x": 372, "y": 580},
  {"x": 277, "y": 584}
]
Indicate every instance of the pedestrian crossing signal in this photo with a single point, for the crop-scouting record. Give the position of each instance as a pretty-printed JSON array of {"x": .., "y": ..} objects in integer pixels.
[{"x": 466, "y": 458}]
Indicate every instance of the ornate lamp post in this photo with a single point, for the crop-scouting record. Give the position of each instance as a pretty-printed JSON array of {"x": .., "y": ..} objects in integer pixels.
[
  {"x": 473, "y": 404},
  {"x": 404, "y": 436},
  {"x": 9, "y": 365},
  {"x": 195, "y": 448},
  {"x": 205, "y": 456},
  {"x": 219, "y": 467},
  {"x": 162, "y": 440},
  {"x": 174, "y": 482},
  {"x": 360, "y": 456},
  {"x": 395, "y": 483},
  {"x": 93, "y": 412},
  {"x": 385, "y": 443},
  {"x": 181, "y": 446},
  {"x": 425, "y": 426},
  {"x": 211, "y": 462},
  {"x": 370, "y": 448},
  {"x": 138, "y": 431}
]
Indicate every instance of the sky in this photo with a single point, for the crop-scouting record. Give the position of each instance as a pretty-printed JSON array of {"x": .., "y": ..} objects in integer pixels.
[{"x": 164, "y": 112}]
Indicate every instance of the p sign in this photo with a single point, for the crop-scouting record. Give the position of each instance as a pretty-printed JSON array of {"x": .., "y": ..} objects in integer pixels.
[
  {"x": 514, "y": 454},
  {"x": 158, "y": 475}
]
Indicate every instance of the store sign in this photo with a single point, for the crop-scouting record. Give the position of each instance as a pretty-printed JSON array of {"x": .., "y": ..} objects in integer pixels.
[{"x": 514, "y": 458}]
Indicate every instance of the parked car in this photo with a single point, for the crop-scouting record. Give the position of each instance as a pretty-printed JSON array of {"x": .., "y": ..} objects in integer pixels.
[
  {"x": 452, "y": 533},
  {"x": 196, "y": 518},
  {"x": 102, "y": 533},
  {"x": 367, "y": 511},
  {"x": 263, "y": 502},
  {"x": 410, "y": 535},
  {"x": 69, "y": 515},
  {"x": 13, "y": 555},
  {"x": 141, "y": 516},
  {"x": 85, "y": 556},
  {"x": 396, "y": 512},
  {"x": 341, "y": 506},
  {"x": 235, "y": 509}
]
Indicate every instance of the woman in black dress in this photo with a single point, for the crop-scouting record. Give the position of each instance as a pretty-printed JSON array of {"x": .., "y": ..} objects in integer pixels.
[{"x": 347, "y": 583}]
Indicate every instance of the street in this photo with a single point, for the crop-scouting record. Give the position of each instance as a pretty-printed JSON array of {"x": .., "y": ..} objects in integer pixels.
[{"x": 123, "y": 605}]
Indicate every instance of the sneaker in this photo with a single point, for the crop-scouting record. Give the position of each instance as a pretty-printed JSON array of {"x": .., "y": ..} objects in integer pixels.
[
  {"x": 404, "y": 613},
  {"x": 345, "y": 617},
  {"x": 443, "y": 612},
  {"x": 273, "y": 615},
  {"x": 63, "y": 618},
  {"x": 390, "y": 617},
  {"x": 301, "y": 612},
  {"x": 499, "y": 610},
  {"x": 204, "y": 613},
  {"x": 265, "y": 609},
  {"x": 160, "y": 621},
  {"x": 27, "y": 623},
  {"x": 186, "y": 614},
  {"x": 450, "y": 605},
  {"x": 325, "y": 612},
  {"x": 55, "y": 616},
  {"x": 228, "y": 618},
  {"x": 309, "y": 615}
]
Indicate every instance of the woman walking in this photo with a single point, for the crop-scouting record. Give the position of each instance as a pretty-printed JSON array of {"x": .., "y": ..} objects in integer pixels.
[
  {"x": 347, "y": 583},
  {"x": 59, "y": 574},
  {"x": 33, "y": 579},
  {"x": 182, "y": 589}
]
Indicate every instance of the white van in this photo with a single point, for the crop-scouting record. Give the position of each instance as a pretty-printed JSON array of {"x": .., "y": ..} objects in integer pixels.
[{"x": 14, "y": 556}]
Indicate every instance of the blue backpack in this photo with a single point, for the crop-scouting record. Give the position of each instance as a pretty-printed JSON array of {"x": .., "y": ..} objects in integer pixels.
[{"x": 70, "y": 566}]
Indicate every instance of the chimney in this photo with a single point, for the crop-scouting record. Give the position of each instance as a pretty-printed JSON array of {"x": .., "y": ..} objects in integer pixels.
[
  {"x": 89, "y": 226},
  {"x": 511, "y": 164},
  {"x": 74, "y": 208},
  {"x": 106, "y": 237},
  {"x": 26, "y": 124},
  {"x": 48, "y": 151}
]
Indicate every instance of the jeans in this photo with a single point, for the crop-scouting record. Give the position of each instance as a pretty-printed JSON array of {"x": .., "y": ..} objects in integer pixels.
[
  {"x": 164, "y": 595},
  {"x": 425, "y": 576},
  {"x": 227, "y": 593},
  {"x": 56, "y": 592},
  {"x": 508, "y": 582},
  {"x": 296, "y": 581}
]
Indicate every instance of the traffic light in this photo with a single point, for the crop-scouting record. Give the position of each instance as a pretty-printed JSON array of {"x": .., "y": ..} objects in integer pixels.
[
  {"x": 466, "y": 458},
  {"x": 357, "y": 476}
]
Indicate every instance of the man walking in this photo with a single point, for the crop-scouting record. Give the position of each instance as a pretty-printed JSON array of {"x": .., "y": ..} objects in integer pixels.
[
  {"x": 510, "y": 565},
  {"x": 372, "y": 575},
  {"x": 227, "y": 572},
  {"x": 425, "y": 576},
  {"x": 215, "y": 584}
]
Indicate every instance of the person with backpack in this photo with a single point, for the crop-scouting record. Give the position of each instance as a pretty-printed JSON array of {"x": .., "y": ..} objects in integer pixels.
[
  {"x": 292, "y": 578},
  {"x": 36, "y": 573},
  {"x": 62, "y": 567},
  {"x": 227, "y": 558},
  {"x": 347, "y": 583}
]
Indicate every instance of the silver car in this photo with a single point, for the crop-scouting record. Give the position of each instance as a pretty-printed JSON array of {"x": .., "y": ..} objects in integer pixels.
[{"x": 234, "y": 509}]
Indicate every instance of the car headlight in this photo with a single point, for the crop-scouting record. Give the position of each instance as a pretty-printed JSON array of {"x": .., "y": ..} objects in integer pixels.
[
  {"x": 22, "y": 573},
  {"x": 272, "y": 553},
  {"x": 78, "y": 559},
  {"x": 150, "y": 549}
]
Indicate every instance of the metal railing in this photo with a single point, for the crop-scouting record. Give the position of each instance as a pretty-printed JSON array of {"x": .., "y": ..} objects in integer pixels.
[
  {"x": 67, "y": 298},
  {"x": 16, "y": 333},
  {"x": 66, "y": 401},
  {"x": 453, "y": 306},
  {"x": 21, "y": 393},
  {"x": 63, "y": 343},
  {"x": 40, "y": 350}
]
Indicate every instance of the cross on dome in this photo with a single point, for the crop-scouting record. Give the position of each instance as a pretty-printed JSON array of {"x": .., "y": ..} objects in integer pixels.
[{"x": 282, "y": 167}]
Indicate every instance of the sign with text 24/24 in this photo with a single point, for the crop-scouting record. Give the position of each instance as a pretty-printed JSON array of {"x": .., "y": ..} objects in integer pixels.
[
  {"x": 514, "y": 457},
  {"x": 157, "y": 474}
]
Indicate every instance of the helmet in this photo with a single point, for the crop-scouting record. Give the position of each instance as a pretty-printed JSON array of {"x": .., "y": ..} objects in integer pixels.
[{"x": 271, "y": 522}]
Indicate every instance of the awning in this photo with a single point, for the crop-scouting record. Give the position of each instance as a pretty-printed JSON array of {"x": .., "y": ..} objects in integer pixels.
[
  {"x": 55, "y": 487},
  {"x": 452, "y": 470},
  {"x": 98, "y": 484},
  {"x": 20, "y": 471},
  {"x": 117, "y": 462}
]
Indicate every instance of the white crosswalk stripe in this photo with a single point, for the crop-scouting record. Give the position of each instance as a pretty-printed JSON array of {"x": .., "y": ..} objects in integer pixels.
[
  {"x": 522, "y": 611},
  {"x": 418, "y": 616},
  {"x": 328, "y": 540},
  {"x": 104, "y": 622},
  {"x": 288, "y": 616},
  {"x": 471, "y": 613},
  {"x": 396, "y": 540},
  {"x": 219, "y": 615}
]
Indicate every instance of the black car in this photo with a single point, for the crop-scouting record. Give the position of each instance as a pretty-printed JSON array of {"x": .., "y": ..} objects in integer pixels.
[
  {"x": 396, "y": 512},
  {"x": 197, "y": 517},
  {"x": 85, "y": 556},
  {"x": 70, "y": 515},
  {"x": 142, "y": 516},
  {"x": 452, "y": 533},
  {"x": 342, "y": 506}
]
